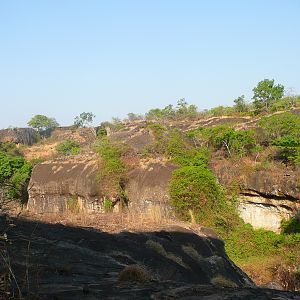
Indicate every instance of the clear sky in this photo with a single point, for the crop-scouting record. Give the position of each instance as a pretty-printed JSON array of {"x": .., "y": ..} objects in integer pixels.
[{"x": 62, "y": 57}]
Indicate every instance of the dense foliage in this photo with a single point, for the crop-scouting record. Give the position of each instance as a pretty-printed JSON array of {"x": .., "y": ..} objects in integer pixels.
[
  {"x": 283, "y": 130},
  {"x": 194, "y": 188},
  {"x": 42, "y": 123},
  {"x": 14, "y": 176},
  {"x": 266, "y": 93}
]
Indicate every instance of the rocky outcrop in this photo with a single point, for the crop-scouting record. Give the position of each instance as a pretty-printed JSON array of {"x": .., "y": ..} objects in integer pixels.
[
  {"x": 148, "y": 185},
  {"x": 267, "y": 196},
  {"x": 65, "y": 182},
  {"x": 26, "y": 136},
  {"x": 52, "y": 261},
  {"x": 84, "y": 136},
  {"x": 135, "y": 136},
  {"x": 263, "y": 212}
]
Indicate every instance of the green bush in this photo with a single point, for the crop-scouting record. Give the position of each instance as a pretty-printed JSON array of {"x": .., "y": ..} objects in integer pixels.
[
  {"x": 280, "y": 125},
  {"x": 10, "y": 148},
  {"x": 234, "y": 142},
  {"x": 284, "y": 103},
  {"x": 15, "y": 172},
  {"x": 195, "y": 188},
  {"x": 111, "y": 155},
  {"x": 113, "y": 170},
  {"x": 289, "y": 149},
  {"x": 290, "y": 226},
  {"x": 107, "y": 205},
  {"x": 68, "y": 147}
]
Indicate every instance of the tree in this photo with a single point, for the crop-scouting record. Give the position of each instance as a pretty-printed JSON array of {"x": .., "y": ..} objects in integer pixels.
[
  {"x": 240, "y": 104},
  {"x": 266, "y": 94},
  {"x": 42, "y": 123},
  {"x": 85, "y": 119},
  {"x": 134, "y": 117},
  {"x": 184, "y": 110}
]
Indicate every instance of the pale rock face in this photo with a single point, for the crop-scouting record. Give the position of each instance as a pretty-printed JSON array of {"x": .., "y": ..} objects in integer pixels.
[{"x": 265, "y": 213}]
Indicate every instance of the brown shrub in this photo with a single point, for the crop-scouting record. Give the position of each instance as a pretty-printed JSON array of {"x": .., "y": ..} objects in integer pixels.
[{"x": 135, "y": 273}]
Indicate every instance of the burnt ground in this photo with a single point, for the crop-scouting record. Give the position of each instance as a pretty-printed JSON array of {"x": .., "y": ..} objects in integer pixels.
[{"x": 54, "y": 261}]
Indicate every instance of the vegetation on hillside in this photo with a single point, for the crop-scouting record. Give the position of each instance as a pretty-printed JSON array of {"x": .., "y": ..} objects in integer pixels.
[
  {"x": 15, "y": 172},
  {"x": 68, "y": 147},
  {"x": 113, "y": 169},
  {"x": 42, "y": 123},
  {"x": 194, "y": 190}
]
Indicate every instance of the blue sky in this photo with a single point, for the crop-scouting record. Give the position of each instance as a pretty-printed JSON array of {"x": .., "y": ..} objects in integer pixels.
[{"x": 62, "y": 57}]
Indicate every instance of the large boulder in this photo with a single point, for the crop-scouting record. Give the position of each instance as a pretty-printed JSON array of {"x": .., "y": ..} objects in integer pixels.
[
  {"x": 92, "y": 261},
  {"x": 65, "y": 182},
  {"x": 148, "y": 185}
]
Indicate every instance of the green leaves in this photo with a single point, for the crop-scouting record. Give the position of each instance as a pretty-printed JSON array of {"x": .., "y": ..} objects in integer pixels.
[
  {"x": 266, "y": 93},
  {"x": 41, "y": 123},
  {"x": 68, "y": 147},
  {"x": 84, "y": 119},
  {"x": 14, "y": 174},
  {"x": 280, "y": 125}
]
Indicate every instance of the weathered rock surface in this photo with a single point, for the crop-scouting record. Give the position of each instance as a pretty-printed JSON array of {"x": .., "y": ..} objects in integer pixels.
[
  {"x": 135, "y": 136},
  {"x": 267, "y": 196},
  {"x": 55, "y": 184},
  {"x": 51, "y": 261},
  {"x": 26, "y": 136},
  {"x": 265, "y": 213},
  {"x": 148, "y": 185},
  {"x": 83, "y": 136}
]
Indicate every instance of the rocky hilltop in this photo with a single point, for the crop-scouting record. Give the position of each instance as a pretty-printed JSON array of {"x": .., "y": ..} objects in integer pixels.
[{"x": 272, "y": 195}]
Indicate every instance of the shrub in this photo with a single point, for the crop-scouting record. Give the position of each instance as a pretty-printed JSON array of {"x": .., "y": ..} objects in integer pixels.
[
  {"x": 113, "y": 171},
  {"x": 10, "y": 148},
  {"x": 192, "y": 252},
  {"x": 221, "y": 281},
  {"x": 195, "y": 188},
  {"x": 68, "y": 147},
  {"x": 280, "y": 125},
  {"x": 290, "y": 226},
  {"x": 235, "y": 143},
  {"x": 289, "y": 148},
  {"x": 135, "y": 273},
  {"x": 107, "y": 205},
  {"x": 15, "y": 172}
]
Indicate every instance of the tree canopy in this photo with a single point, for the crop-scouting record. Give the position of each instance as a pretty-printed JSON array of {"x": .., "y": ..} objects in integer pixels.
[
  {"x": 84, "y": 119},
  {"x": 42, "y": 123},
  {"x": 266, "y": 93}
]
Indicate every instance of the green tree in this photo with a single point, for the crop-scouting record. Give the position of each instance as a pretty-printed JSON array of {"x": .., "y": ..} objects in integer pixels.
[
  {"x": 85, "y": 119},
  {"x": 134, "y": 117},
  {"x": 185, "y": 110},
  {"x": 266, "y": 93},
  {"x": 42, "y": 123},
  {"x": 240, "y": 104}
]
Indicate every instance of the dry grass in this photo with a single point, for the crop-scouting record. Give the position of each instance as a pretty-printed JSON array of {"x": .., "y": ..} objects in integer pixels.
[
  {"x": 221, "y": 281},
  {"x": 157, "y": 247},
  {"x": 192, "y": 252},
  {"x": 135, "y": 273}
]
